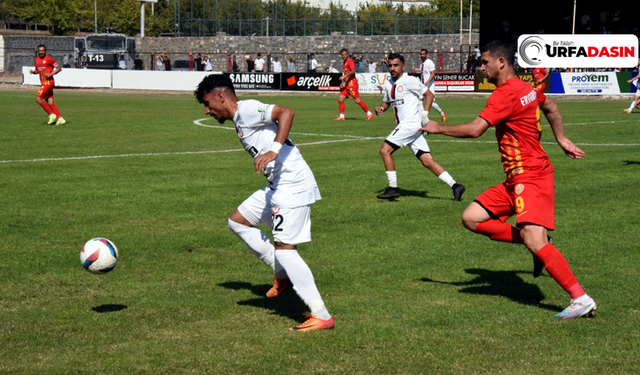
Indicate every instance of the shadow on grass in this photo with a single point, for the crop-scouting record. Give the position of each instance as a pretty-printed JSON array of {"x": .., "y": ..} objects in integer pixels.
[
  {"x": 503, "y": 284},
  {"x": 288, "y": 304},
  {"x": 109, "y": 308},
  {"x": 631, "y": 162},
  {"x": 413, "y": 193}
]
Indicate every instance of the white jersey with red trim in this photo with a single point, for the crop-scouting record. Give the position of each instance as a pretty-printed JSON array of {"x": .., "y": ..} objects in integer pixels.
[
  {"x": 426, "y": 68},
  {"x": 404, "y": 95},
  {"x": 289, "y": 175}
]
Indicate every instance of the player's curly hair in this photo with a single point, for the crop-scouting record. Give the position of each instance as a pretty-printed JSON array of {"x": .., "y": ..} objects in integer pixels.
[{"x": 213, "y": 82}]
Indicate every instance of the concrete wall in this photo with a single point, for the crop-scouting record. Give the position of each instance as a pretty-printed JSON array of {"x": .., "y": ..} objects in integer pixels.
[{"x": 19, "y": 50}]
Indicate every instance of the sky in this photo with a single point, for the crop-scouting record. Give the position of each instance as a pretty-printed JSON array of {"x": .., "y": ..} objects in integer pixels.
[{"x": 349, "y": 4}]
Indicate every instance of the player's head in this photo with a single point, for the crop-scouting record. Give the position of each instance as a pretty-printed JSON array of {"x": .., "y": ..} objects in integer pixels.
[
  {"x": 344, "y": 54},
  {"x": 497, "y": 59},
  {"x": 42, "y": 51},
  {"x": 423, "y": 54},
  {"x": 395, "y": 65},
  {"x": 216, "y": 92}
]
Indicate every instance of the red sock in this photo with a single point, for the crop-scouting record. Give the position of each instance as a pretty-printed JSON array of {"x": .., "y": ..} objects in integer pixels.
[
  {"x": 341, "y": 107},
  {"x": 363, "y": 105},
  {"x": 499, "y": 231},
  {"x": 559, "y": 269},
  {"x": 54, "y": 109},
  {"x": 45, "y": 106}
]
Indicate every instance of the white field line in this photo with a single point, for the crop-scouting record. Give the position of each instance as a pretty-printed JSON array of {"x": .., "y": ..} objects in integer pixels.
[{"x": 346, "y": 138}]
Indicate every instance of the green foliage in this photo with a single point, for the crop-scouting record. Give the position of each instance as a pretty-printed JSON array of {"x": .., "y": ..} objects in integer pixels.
[{"x": 60, "y": 15}]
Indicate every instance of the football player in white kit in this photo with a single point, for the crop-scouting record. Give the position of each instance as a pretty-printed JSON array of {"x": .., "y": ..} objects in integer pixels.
[
  {"x": 284, "y": 204},
  {"x": 403, "y": 93},
  {"x": 427, "y": 77}
]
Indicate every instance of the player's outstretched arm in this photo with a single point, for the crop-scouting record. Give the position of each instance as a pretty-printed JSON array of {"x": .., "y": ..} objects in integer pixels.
[
  {"x": 284, "y": 117},
  {"x": 383, "y": 107},
  {"x": 553, "y": 115},
  {"x": 474, "y": 129}
]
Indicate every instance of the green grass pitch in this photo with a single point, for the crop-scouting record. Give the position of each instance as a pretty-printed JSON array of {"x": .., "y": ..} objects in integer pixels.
[{"x": 411, "y": 290}]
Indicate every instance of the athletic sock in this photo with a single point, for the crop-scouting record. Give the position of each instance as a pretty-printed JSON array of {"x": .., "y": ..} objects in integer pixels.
[
  {"x": 558, "y": 268},
  {"x": 259, "y": 244},
  {"x": 341, "y": 108},
  {"x": 447, "y": 179},
  {"x": 393, "y": 179},
  {"x": 54, "y": 109},
  {"x": 45, "y": 106},
  {"x": 499, "y": 231},
  {"x": 303, "y": 282},
  {"x": 364, "y": 107},
  {"x": 633, "y": 104},
  {"x": 435, "y": 106}
]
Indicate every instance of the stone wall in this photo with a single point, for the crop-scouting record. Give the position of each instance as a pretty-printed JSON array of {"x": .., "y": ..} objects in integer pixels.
[{"x": 20, "y": 50}]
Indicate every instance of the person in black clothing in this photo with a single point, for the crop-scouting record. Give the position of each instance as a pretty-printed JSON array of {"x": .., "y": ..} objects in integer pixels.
[
  {"x": 167, "y": 63},
  {"x": 234, "y": 66},
  {"x": 198, "y": 63},
  {"x": 250, "y": 64},
  {"x": 138, "y": 64}
]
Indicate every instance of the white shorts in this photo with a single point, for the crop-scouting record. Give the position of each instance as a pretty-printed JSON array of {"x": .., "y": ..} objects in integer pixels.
[
  {"x": 638, "y": 89},
  {"x": 402, "y": 136},
  {"x": 290, "y": 226}
]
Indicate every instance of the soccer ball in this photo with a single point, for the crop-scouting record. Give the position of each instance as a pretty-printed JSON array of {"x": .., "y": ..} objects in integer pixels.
[{"x": 99, "y": 256}]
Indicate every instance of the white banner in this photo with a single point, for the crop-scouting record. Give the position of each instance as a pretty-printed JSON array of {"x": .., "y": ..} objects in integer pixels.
[
  {"x": 578, "y": 51},
  {"x": 368, "y": 82},
  {"x": 589, "y": 83}
]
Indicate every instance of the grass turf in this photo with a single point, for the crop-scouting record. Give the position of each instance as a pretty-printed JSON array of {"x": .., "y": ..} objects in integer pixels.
[{"x": 411, "y": 290}]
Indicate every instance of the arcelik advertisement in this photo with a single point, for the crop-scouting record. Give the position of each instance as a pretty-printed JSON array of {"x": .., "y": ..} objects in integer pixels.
[{"x": 310, "y": 81}]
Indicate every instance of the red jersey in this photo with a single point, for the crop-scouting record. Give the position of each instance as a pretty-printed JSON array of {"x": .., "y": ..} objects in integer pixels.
[
  {"x": 46, "y": 65},
  {"x": 347, "y": 67},
  {"x": 538, "y": 74},
  {"x": 513, "y": 109}
]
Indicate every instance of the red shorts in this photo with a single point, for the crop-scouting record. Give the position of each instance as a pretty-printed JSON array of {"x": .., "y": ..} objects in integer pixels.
[
  {"x": 532, "y": 201},
  {"x": 351, "y": 89},
  {"x": 45, "y": 92}
]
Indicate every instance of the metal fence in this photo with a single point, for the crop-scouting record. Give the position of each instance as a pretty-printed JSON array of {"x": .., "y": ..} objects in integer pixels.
[{"x": 247, "y": 18}]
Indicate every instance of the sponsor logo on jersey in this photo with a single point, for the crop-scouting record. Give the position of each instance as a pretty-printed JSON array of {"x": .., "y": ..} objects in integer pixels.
[
  {"x": 398, "y": 102},
  {"x": 275, "y": 210}
]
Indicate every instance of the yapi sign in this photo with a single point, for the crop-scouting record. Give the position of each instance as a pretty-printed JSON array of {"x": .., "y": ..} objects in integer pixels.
[{"x": 578, "y": 51}]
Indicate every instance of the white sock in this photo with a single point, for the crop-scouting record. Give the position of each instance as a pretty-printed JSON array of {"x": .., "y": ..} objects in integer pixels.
[
  {"x": 447, "y": 179},
  {"x": 303, "y": 282},
  {"x": 368, "y": 113},
  {"x": 435, "y": 106},
  {"x": 393, "y": 179},
  {"x": 583, "y": 300},
  {"x": 633, "y": 104},
  {"x": 342, "y": 115},
  {"x": 259, "y": 243}
]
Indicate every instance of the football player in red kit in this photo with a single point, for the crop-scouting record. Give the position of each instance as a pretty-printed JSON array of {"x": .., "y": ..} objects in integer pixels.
[
  {"x": 47, "y": 67},
  {"x": 349, "y": 86}
]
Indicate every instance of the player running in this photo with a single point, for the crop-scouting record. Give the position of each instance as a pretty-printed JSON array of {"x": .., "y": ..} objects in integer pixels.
[
  {"x": 349, "y": 86},
  {"x": 47, "y": 67},
  {"x": 284, "y": 204},
  {"x": 403, "y": 93},
  {"x": 528, "y": 191},
  {"x": 636, "y": 100},
  {"x": 427, "y": 77}
]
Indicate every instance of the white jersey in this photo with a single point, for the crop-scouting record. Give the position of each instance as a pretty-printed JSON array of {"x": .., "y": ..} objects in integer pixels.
[
  {"x": 289, "y": 176},
  {"x": 426, "y": 68},
  {"x": 404, "y": 97}
]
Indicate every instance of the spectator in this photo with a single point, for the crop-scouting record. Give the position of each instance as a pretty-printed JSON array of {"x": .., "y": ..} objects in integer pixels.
[
  {"x": 65, "y": 61},
  {"x": 277, "y": 65},
  {"x": 360, "y": 64},
  {"x": 234, "y": 64},
  {"x": 332, "y": 69},
  {"x": 291, "y": 64},
  {"x": 159, "y": 62},
  {"x": 250, "y": 63},
  {"x": 138, "y": 64},
  {"x": 313, "y": 63},
  {"x": 197, "y": 63},
  {"x": 167, "y": 63},
  {"x": 207, "y": 63},
  {"x": 259, "y": 64},
  {"x": 83, "y": 63},
  {"x": 122, "y": 64},
  {"x": 384, "y": 66},
  {"x": 372, "y": 66}
]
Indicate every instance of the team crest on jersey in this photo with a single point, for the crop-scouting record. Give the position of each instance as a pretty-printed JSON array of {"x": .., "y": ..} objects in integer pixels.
[
  {"x": 275, "y": 210},
  {"x": 239, "y": 131},
  {"x": 400, "y": 88},
  {"x": 519, "y": 189}
]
